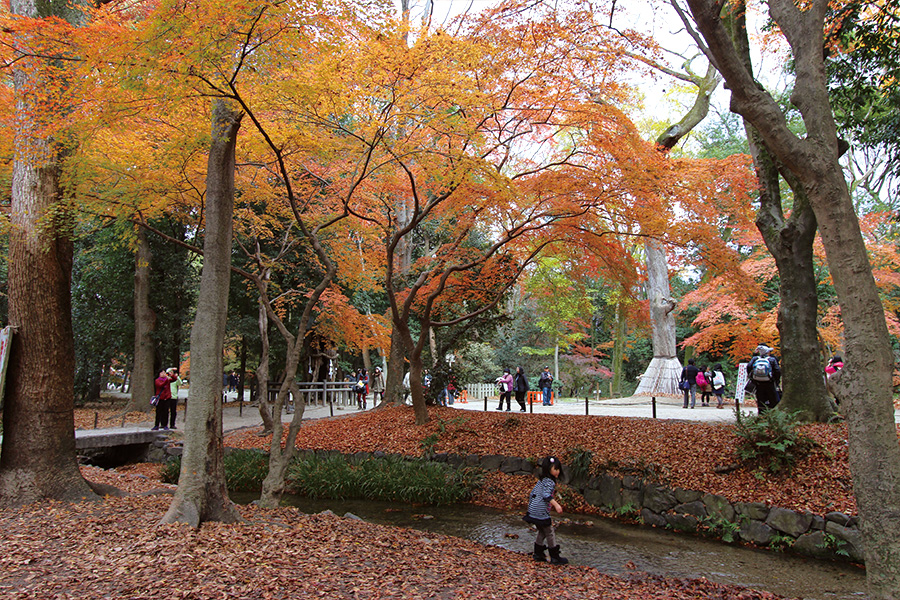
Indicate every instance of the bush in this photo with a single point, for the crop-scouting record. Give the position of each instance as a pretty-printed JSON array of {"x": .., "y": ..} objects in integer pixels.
[
  {"x": 244, "y": 470},
  {"x": 578, "y": 462},
  {"x": 393, "y": 479},
  {"x": 772, "y": 440}
]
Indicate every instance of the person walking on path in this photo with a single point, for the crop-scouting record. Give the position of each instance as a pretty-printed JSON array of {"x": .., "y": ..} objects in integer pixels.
[
  {"x": 689, "y": 376},
  {"x": 545, "y": 382},
  {"x": 175, "y": 383},
  {"x": 377, "y": 386},
  {"x": 361, "y": 388},
  {"x": 718, "y": 385},
  {"x": 164, "y": 395},
  {"x": 540, "y": 501},
  {"x": 764, "y": 371},
  {"x": 521, "y": 386},
  {"x": 505, "y": 383}
]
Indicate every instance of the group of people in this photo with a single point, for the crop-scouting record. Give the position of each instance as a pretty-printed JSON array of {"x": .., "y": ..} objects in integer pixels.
[
  {"x": 507, "y": 384},
  {"x": 710, "y": 380},
  {"x": 363, "y": 384},
  {"x": 763, "y": 380},
  {"x": 167, "y": 385}
]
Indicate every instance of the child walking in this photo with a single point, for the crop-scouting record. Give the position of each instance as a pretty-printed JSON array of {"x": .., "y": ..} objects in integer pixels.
[{"x": 539, "y": 504}]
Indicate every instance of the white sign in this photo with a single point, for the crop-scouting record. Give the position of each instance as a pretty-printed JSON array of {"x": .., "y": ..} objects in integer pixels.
[{"x": 740, "y": 383}]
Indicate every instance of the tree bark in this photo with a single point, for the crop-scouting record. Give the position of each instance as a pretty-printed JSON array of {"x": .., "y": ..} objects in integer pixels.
[
  {"x": 790, "y": 241},
  {"x": 38, "y": 458},
  {"x": 144, "y": 323},
  {"x": 865, "y": 382},
  {"x": 202, "y": 494},
  {"x": 661, "y": 376}
]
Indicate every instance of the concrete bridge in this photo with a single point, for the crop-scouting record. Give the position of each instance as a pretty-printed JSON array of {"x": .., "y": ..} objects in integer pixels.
[{"x": 116, "y": 446}]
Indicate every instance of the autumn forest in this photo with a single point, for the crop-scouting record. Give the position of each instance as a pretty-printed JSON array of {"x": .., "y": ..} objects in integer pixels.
[{"x": 296, "y": 190}]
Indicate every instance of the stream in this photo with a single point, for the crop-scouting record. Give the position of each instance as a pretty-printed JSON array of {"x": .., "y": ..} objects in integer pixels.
[{"x": 609, "y": 546}]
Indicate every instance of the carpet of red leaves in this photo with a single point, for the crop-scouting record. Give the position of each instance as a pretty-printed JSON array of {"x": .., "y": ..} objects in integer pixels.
[
  {"x": 118, "y": 550},
  {"x": 678, "y": 454}
]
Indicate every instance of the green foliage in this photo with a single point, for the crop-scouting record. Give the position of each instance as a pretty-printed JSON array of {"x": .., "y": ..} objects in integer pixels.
[
  {"x": 578, "y": 461},
  {"x": 627, "y": 510},
  {"x": 392, "y": 479},
  {"x": 835, "y": 544},
  {"x": 780, "y": 543},
  {"x": 244, "y": 470},
  {"x": 720, "y": 528},
  {"x": 772, "y": 440},
  {"x": 429, "y": 442}
]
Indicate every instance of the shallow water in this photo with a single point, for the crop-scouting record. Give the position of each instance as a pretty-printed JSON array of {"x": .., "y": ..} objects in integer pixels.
[{"x": 617, "y": 548}]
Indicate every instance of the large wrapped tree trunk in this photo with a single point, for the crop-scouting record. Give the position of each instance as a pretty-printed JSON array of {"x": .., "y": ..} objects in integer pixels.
[
  {"x": 202, "y": 495},
  {"x": 661, "y": 376},
  {"x": 38, "y": 458}
]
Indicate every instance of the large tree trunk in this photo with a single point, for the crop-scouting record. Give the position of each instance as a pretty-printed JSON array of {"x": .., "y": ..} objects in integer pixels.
[
  {"x": 663, "y": 372},
  {"x": 393, "y": 385},
  {"x": 38, "y": 457},
  {"x": 144, "y": 323},
  {"x": 790, "y": 241},
  {"x": 202, "y": 495},
  {"x": 865, "y": 382}
]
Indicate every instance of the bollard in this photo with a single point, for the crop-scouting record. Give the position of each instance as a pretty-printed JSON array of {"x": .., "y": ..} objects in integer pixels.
[
  {"x": 531, "y": 407},
  {"x": 585, "y": 406},
  {"x": 96, "y": 418},
  {"x": 331, "y": 405},
  {"x": 485, "y": 404},
  {"x": 653, "y": 404}
]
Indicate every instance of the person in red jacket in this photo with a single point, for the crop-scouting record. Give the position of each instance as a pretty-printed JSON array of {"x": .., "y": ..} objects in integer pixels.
[{"x": 164, "y": 392}]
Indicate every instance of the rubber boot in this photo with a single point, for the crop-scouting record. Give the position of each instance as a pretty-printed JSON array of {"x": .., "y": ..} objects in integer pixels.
[
  {"x": 555, "y": 558},
  {"x": 539, "y": 553}
]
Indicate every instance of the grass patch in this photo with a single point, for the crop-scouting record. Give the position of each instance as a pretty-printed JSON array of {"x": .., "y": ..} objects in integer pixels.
[
  {"x": 393, "y": 479},
  {"x": 244, "y": 470}
]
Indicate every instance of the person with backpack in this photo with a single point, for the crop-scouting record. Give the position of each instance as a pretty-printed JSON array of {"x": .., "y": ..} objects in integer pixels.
[
  {"x": 764, "y": 371},
  {"x": 718, "y": 385},
  {"x": 545, "y": 383},
  {"x": 688, "y": 382},
  {"x": 704, "y": 384}
]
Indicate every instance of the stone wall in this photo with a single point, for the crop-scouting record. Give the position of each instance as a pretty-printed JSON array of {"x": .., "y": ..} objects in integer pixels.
[{"x": 832, "y": 536}]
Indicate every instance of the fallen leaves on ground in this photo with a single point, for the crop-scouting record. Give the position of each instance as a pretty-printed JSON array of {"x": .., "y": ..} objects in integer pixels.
[
  {"x": 117, "y": 549},
  {"x": 677, "y": 453},
  {"x": 99, "y": 417}
]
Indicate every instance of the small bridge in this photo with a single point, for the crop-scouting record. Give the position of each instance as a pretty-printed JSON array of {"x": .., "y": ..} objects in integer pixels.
[{"x": 116, "y": 446}]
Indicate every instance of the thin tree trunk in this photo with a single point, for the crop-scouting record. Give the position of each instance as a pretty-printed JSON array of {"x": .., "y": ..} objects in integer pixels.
[
  {"x": 38, "y": 458},
  {"x": 202, "y": 495},
  {"x": 143, "y": 374},
  {"x": 618, "y": 359},
  {"x": 262, "y": 371}
]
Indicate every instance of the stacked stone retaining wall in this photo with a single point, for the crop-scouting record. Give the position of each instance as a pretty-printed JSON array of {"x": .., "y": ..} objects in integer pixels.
[{"x": 833, "y": 536}]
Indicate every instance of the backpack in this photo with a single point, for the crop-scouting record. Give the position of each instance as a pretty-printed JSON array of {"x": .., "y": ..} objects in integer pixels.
[
  {"x": 761, "y": 370},
  {"x": 718, "y": 380},
  {"x": 701, "y": 380}
]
